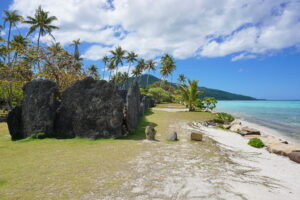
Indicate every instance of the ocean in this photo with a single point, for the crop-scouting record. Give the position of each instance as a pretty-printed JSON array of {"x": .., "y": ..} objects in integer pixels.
[{"x": 283, "y": 116}]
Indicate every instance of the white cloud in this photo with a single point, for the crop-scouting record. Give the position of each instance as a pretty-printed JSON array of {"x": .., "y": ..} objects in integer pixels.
[
  {"x": 96, "y": 52},
  {"x": 209, "y": 28},
  {"x": 243, "y": 56}
]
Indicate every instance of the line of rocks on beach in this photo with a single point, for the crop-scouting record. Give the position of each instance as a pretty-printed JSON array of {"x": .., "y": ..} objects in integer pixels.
[{"x": 273, "y": 144}]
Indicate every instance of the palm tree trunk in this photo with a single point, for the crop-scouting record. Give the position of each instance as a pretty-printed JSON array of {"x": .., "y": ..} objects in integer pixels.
[
  {"x": 148, "y": 78},
  {"x": 8, "y": 42},
  {"x": 104, "y": 71},
  {"x": 38, "y": 49}
]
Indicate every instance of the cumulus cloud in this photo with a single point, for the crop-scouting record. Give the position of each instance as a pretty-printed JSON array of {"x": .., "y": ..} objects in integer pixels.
[{"x": 208, "y": 28}]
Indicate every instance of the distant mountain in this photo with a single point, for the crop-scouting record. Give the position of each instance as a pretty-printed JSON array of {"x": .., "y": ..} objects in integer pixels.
[{"x": 207, "y": 92}]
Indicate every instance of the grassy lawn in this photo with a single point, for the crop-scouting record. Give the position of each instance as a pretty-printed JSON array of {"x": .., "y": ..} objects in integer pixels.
[{"x": 70, "y": 168}]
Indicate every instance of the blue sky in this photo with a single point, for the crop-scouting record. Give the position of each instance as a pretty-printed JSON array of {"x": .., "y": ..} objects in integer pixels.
[{"x": 232, "y": 46}]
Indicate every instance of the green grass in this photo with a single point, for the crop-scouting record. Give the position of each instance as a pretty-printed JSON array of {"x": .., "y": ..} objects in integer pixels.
[{"x": 69, "y": 168}]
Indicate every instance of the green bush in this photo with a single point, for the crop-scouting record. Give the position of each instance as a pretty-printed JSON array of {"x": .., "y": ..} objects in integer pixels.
[
  {"x": 256, "y": 142},
  {"x": 223, "y": 118},
  {"x": 40, "y": 135}
]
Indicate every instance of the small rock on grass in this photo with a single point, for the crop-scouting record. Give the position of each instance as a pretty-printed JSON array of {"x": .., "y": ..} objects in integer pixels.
[
  {"x": 196, "y": 136},
  {"x": 172, "y": 136},
  {"x": 150, "y": 133}
]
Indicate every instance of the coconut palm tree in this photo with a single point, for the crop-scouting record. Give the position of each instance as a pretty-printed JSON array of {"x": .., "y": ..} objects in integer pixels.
[
  {"x": 19, "y": 43},
  {"x": 111, "y": 67},
  {"x": 105, "y": 60},
  {"x": 181, "y": 78},
  {"x": 131, "y": 58},
  {"x": 117, "y": 57},
  {"x": 167, "y": 66},
  {"x": 92, "y": 71},
  {"x": 76, "y": 43},
  {"x": 12, "y": 18},
  {"x": 41, "y": 22},
  {"x": 190, "y": 94},
  {"x": 138, "y": 70},
  {"x": 150, "y": 66}
]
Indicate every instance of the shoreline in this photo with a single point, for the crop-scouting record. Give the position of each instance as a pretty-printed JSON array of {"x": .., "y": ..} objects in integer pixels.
[{"x": 264, "y": 128}]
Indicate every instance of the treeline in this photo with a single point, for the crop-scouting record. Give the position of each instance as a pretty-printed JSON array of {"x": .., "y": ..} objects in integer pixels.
[{"x": 23, "y": 59}]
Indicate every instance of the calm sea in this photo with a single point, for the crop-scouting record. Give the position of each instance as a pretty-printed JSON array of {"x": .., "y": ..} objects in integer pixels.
[{"x": 283, "y": 116}]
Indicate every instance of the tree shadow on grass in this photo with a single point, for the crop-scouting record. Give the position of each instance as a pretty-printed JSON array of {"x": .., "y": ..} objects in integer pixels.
[{"x": 139, "y": 132}]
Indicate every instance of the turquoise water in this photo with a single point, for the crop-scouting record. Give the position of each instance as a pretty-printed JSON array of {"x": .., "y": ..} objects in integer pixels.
[{"x": 281, "y": 115}]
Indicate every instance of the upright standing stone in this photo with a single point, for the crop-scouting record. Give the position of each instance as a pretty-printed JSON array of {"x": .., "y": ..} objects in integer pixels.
[
  {"x": 15, "y": 125},
  {"x": 133, "y": 106},
  {"x": 91, "y": 109},
  {"x": 38, "y": 107}
]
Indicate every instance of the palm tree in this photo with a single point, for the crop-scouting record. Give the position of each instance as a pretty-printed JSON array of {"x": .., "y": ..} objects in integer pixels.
[
  {"x": 110, "y": 68},
  {"x": 117, "y": 57},
  {"x": 76, "y": 43},
  {"x": 141, "y": 67},
  {"x": 150, "y": 66},
  {"x": 137, "y": 71},
  {"x": 93, "y": 72},
  {"x": 105, "y": 60},
  {"x": 181, "y": 78},
  {"x": 41, "y": 22},
  {"x": 131, "y": 58},
  {"x": 168, "y": 66},
  {"x": 12, "y": 18},
  {"x": 19, "y": 43},
  {"x": 190, "y": 94}
]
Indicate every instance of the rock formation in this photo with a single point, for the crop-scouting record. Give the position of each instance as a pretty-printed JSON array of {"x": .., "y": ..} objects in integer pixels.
[
  {"x": 38, "y": 107},
  {"x": 15, "y": 125},
  {"x": 91, "y": 109},
  {"x": 133, "y": 106}
]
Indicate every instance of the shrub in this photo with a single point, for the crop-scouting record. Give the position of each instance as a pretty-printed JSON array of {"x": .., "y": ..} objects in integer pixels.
[
  {"x": 256, "y": 142},
  {"x": 223, "y": 118},
  {"x": 40, "y": 135}
]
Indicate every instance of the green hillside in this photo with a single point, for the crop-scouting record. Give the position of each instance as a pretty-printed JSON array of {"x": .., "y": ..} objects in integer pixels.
[{"x": 207, "y": 92}]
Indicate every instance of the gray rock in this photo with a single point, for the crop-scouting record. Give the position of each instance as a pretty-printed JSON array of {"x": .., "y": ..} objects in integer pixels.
[
  {"x": 133, "y": 106},
  {"x": 172, "y": 136},
  {"x": 91, "y": 109},
  {"x": 14, "y": 122},
  {"x": 248, "y": 131},
  {"x": 38, "y": 107},
  {"x": 150, "y": 133}
]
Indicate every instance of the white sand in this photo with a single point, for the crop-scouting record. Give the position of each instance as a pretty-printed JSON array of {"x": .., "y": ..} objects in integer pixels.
[{"x": 284, "y": 171}]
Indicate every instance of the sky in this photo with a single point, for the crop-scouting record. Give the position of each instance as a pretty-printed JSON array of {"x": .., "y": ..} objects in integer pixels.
[{"x": 249, "y": 47}]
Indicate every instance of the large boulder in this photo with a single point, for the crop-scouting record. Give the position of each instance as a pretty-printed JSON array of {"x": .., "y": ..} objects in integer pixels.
[
  {"x": 38, "y": 107},
  {"x": 235, "y": 126},
  {"x": 133, "y": 106},
  {"x": 91, "y": 109},
  {"x": 15, "y": 125}
]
